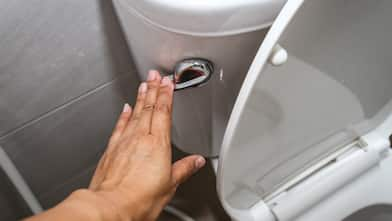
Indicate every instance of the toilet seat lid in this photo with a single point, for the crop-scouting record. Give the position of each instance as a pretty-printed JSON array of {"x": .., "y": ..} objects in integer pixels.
[
  {"x": 207, "y": 18},
  {"x": 334, "y": 88}
]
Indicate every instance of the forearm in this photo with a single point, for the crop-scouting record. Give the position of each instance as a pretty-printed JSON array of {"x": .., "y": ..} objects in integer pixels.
[
  {"x": 81, "y": 205},
  {"x": 86, "y": 205},
  {"x": 135, "y": 178}
]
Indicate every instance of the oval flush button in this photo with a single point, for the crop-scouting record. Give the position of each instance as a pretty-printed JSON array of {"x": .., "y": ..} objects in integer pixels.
[{"x": 192, "y": 72}]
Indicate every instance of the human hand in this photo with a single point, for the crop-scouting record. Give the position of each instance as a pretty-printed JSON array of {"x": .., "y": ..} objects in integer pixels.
[{"x": 135, "y": 178}]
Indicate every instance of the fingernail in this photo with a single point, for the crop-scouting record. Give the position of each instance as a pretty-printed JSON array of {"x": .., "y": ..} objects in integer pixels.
[
  {"x": 151, "y": 75},
  {"x": 126, "y": 108},
  {"x": 143, "y": 87},
  {"x": 199, "y": 162},
  {"x": 165, "y": 81}
]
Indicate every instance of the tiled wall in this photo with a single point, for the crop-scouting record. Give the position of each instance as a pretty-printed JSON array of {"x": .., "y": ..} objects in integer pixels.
[{"x": 65, "y": 72}]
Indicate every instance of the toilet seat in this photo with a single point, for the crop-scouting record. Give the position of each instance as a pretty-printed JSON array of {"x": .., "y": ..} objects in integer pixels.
[
  {"x": 206, "y": 18},
  {"x": 309, "y": 139}
]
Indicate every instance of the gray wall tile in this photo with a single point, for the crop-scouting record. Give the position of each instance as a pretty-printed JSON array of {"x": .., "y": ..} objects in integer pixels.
[
  {"x": 81, "y": 180},
  {"x": 65, "y": 143},
  {"x": 54, "y": 51},
  {"x": 65, "y": 72}
]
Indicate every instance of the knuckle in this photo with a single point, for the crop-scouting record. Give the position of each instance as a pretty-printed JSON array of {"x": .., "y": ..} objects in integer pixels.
[
  {"x": 121, "y": 123},
  {"x": 148, "y": 107},
  {"x": 119, "y": 127},
  {"x": 163, "y": 108},
  {"x": 135, "y": 118},
  {"x": 190, "y": 167},
  {"x": 116, "y": 129},
  {"x": 124, "y": 116},
  {"x": 153, "y": 85},
  {"x": 115, "y": 135},
  {"x": 140, "y": 99},
  {"x": 164, "y": 91}
]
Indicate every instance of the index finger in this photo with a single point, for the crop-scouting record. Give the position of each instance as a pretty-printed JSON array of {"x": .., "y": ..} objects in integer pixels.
[{"x": 161, "y": 119}]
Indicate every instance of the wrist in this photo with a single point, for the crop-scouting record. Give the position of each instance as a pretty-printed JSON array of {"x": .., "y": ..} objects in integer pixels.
[
  {"x": 94, "y": 206},
  {"x": 130, "y": 207},
  {"x": 112, "y": 206}
]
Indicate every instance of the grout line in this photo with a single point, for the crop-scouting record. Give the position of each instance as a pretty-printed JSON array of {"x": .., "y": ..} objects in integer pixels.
[{"x": 50, "y": 112}]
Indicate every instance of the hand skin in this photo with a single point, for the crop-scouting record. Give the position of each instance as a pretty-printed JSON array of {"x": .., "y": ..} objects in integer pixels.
[{"x": 135, "y": 178}]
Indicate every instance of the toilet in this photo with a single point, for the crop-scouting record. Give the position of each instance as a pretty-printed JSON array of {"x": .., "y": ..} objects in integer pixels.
[
  {"x": 295, "y": 103},
  {"x": 162, "y": 33}
]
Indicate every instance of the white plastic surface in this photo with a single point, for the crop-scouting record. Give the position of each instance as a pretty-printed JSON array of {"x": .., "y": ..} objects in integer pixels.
[
  {"x": 330, "y": 179},
  {"x": 260, "y": 210},
  {"x": 207, "y": 18},
  {"x": 321, "y": 41},
  {"x": 372, "y": 188}
]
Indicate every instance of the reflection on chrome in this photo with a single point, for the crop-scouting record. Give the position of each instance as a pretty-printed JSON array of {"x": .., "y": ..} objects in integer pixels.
[{"x": 192, "y": 72}]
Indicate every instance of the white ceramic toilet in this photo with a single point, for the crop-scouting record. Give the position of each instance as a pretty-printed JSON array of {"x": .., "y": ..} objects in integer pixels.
[
  {"x": 302, "y": 137},
  {"x": 162, "y": 33}
]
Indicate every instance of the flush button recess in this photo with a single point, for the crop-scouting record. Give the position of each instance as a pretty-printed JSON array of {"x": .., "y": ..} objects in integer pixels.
[{"x": 191, "y": 73}]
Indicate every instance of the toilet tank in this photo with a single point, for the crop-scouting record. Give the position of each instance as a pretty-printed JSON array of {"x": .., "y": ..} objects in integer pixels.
[{"x": 226, "y": 33}]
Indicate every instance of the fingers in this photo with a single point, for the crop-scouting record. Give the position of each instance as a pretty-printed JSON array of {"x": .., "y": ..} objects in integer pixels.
[
  {"x": 186, "y": 167},
  {"x": 152, "y": 112},
  {"x": 144, "y": 123},
  {"x": 141, "y": 95},
  {"x": 161, "y": 120},
  {"x": 121, "y": 124}
]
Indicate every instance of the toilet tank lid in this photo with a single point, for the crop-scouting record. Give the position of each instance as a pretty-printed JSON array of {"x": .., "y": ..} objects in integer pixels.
[{"x": 206, "y": 17}]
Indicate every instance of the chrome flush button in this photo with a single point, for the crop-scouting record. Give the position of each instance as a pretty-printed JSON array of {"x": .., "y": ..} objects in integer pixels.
[{"x": 192, "y": 72}]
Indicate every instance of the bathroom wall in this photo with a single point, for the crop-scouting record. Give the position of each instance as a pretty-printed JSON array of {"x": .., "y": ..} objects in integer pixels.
[{"x": 65, "y": 72}]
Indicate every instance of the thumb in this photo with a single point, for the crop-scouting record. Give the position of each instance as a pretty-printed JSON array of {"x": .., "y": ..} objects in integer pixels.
[{"x": 186, "y": 167}]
